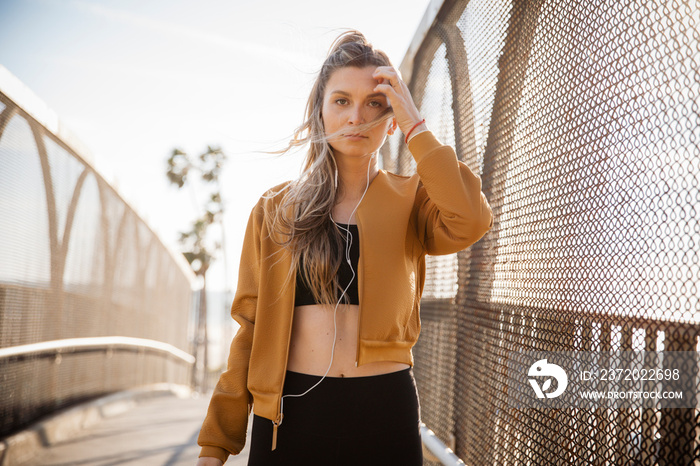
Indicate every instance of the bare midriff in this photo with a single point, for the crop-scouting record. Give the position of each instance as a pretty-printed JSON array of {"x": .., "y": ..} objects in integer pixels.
[{"x": 312, "y": 341}]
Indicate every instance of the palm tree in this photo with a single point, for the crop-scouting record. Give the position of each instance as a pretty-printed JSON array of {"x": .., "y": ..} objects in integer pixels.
[{"x": 198, "y": 248}]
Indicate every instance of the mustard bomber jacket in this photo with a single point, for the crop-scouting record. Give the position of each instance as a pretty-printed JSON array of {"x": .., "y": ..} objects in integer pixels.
[{"x": 439, "y": 210}]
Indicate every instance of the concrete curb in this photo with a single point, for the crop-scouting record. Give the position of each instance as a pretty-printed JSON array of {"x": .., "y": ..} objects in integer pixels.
[{"x": 19, "y": 449}]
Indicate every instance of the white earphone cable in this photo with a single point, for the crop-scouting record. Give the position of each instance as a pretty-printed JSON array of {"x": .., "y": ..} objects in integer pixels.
[{"x": 348, "y": 242}]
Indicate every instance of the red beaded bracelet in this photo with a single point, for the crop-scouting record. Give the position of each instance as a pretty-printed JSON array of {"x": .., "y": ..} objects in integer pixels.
[{"x": 414, "y": 127}]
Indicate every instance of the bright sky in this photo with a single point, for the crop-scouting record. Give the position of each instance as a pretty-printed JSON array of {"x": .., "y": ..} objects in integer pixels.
[{"x": 135, "y": 79}]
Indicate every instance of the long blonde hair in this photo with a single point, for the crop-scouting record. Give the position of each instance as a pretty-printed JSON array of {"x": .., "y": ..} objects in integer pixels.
[{"x": 302, "y": 222}]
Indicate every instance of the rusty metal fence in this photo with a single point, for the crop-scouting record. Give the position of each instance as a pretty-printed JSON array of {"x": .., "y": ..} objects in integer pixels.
[
  {"x": 91, "y": 301},
  {"x": 583, "y": 120}
]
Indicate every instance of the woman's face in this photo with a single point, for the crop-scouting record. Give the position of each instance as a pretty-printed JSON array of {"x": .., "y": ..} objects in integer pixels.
[{"x": 349, "y": 101}]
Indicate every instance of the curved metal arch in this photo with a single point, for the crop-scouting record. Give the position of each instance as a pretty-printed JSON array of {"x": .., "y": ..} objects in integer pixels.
[
  {"x": 70, "y": 216},
  {"x": 118, "y": 240},
  {"x": 54, "y": 246},
  {"x": 462, "y": 99},
  {"x": 6, "y": 115},
  {"x": 445, "y": 31}
]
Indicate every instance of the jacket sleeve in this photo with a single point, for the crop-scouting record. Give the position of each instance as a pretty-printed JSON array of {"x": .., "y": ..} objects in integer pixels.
[
  {"x": 224, "y": 429},
  {"x": 450, "y": 211}
]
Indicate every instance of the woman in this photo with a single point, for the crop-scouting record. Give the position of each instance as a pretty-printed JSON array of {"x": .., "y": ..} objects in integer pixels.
[{"x": 331, "y": 274}]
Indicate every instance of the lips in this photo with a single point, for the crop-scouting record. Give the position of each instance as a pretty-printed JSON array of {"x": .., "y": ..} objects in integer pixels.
[{"x": 355, "y": 136}]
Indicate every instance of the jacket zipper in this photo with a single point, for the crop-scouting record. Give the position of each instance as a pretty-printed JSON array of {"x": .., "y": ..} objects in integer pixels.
[{"x": 276, "y": 423}]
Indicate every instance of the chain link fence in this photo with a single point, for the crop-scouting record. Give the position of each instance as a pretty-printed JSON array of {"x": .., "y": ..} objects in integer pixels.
[
  {"x": 91, "y": 301},
  {"x": 582, "y": 119}
]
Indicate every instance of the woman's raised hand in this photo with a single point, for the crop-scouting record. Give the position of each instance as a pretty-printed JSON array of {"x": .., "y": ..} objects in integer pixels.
[{"x": 405, "y": 110}]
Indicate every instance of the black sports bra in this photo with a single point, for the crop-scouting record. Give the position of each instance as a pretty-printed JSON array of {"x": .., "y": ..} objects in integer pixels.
[{"x": 303, "y": 295}]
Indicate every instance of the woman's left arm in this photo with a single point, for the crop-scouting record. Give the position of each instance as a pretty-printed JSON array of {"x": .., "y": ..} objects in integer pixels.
[{"x": 451, "y": 213}]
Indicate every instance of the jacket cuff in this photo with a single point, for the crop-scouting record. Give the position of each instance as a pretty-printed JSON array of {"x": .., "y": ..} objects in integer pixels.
[
  {"x": 215, "y": 452},
  {"x": 423, "y": 144}
]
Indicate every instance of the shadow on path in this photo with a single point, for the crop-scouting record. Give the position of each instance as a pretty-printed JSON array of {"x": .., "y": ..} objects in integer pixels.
[{"x": 162, "y": 431}]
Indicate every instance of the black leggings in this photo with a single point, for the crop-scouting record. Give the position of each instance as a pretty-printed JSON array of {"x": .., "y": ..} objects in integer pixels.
[{"x": 369, "y": 420}]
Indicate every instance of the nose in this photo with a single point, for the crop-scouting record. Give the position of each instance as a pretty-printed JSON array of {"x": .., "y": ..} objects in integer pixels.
[{"x": 356, "y": 116}]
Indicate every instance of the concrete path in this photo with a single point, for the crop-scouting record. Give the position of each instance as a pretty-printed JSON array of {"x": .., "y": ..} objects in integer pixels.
[{"x": 157, "y": 432}]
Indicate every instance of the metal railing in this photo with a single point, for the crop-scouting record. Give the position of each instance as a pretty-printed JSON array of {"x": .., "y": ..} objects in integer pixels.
[
  {"x": 69, "y": 346},
  {"x": 582, "y": 120},
  {"x": 78, "y": 267}
]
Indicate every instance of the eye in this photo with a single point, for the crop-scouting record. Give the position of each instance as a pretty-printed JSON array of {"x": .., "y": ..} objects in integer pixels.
[
  {"x": 341, "y": 101},
  {"x": 375, "y": 104}
]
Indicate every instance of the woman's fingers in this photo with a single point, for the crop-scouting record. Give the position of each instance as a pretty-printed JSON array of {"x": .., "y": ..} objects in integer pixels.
[
  {"x": 387, "y": 75},
  {"x": 386, "y": 72}
]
